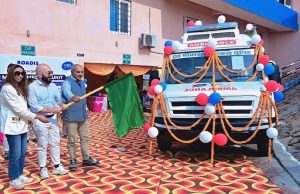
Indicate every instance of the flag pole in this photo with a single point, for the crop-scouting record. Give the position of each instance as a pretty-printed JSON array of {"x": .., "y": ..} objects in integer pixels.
[{"x": 86, "y": 95}]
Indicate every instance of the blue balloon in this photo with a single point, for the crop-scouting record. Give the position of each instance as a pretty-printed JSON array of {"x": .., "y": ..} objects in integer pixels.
[
  {"x": 278, "y": 96},
  {"x": 163, "y": 85},
  {"x": 214, "y": 98},
  {"x": 269, "y": 69},
  {"x": 168, "y": 43}
]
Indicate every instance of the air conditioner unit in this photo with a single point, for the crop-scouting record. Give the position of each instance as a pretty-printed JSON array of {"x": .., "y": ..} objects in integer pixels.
[{"x": 148, "y": 40}]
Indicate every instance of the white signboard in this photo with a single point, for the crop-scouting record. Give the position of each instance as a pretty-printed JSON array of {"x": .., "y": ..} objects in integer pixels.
[{"x": 61, "y": 66}]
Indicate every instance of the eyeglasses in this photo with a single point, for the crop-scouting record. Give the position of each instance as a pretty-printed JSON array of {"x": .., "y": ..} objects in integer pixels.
[
  {"x": 18, "y": 73},
  {"x": 79, "y": 71}
]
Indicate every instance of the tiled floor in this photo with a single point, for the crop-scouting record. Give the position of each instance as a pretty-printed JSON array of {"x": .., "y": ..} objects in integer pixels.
[{"x": 133, "y": 170}]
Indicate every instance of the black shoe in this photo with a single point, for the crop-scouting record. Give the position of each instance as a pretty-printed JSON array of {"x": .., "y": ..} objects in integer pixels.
[
  {"x": 73, "y": 165},
  {"x": 65, "y": 136},
  {"x": 6, "y": 155},
  {"x": 34, "y": 140},
  {"x": 90, "y": 162}
]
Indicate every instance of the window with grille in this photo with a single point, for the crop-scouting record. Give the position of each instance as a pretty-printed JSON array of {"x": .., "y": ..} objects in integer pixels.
[
  {"x": 120, "y": 16},
  {"x": 73, "y": 2}
]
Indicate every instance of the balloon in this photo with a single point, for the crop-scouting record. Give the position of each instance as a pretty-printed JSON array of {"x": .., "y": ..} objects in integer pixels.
[
  {"x": 181, "y": 39},
  {"x": 208, "y": 51},
  {"x": 205, "y": 137},
  {"x": 153, "y": 132},
  {"x": 264, "y": 59},
  {"x": 220, "y": 139},
  {"x": 198, "y": 23},
  {"x": 214, "y": 98},
  {"x": 212, "y": 42},
  {"x": 269, "y": 69},
  {"x": 168, "y": 43},
  {"x": 263, "y": 88},
  {"x": 190, "y": 23},
  {"x": 151, "y": 91},
  {"x": 255, "y": 38},
  {"x": 155, "y": 82},
  {"x": 176, "y": 46},
  {"x": 164, "y": 85},
  {"x": 221, "y": 19},
  {"x": 260, "y": 67},
  {"x": 202, "y": 99},
  {"x": 158, "y": 89},
  {"x": 209, "y": 109},
  {"x": 280, "y": 88},
  {"x": 271, "y": 86},
  {"x": 146, "y": 127},
  {"x": 168, "y": 50},
  {"x": 249, "y": 27},
  {"x": 278, "y": 96},
  {"x": 272, "y": 132}
]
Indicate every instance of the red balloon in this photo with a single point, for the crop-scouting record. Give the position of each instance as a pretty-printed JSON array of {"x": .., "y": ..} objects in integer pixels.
[
  {"x": 168, "y": 50},
  {"x": 151, "y": 91},
  {"x": 280, "y": 88},
  {"x": 202, "y": 99},
  {"x": 190, "y": 23},
  {"x": 220, "y": 139},
  {"x": 146, "y": 127},
  {"x": 261, "y": 42},
  {"x": 264, "y": 59},
  {"x": 155, "y": 82},
  {"x": 271, "y": 86},
  {"x": 208, "y": 51}
]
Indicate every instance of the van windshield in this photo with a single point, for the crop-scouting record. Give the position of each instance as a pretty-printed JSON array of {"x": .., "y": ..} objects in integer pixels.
[{"x": 189, "y": 63}]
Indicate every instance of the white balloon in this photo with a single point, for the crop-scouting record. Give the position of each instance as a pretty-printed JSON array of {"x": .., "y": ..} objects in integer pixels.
[
  {"x": 263, "y": 89},
  {"x": 176, "y": 46},
  {"x": 153, "y": 132},
  {"x": 249, "y": 27},
  {"x": 260, "y": 67},
  {"x": 256, "y": 38},
  {"x": 198, "y": 23},
  {"x": 272, "y": 132},
  {"x": 158, "y": 89},
  {"x": 205, "y": 137},
  {"x": 212, "y": 42},
  {"x": 221, "y": 19},
  {"x": 209, "y": 109}
]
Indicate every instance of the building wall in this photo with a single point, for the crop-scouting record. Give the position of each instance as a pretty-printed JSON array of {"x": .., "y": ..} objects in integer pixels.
[
  {"x": 63, "y": 30},
  {"x": 285, "y": 46}
]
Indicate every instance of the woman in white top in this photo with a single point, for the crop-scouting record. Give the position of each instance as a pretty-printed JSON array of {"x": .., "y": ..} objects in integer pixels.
[{"x": 14, "y": 116}]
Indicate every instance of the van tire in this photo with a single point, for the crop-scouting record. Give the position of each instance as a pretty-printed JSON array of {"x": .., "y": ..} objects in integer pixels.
[
  {"x": 164, "y": 146},
  {"x": 262, "y": 149}
]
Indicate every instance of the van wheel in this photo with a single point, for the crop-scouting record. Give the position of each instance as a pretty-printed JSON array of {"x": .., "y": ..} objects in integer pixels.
[
  {"x": 262, "y": 149},
  {"x": 164, "y": 146}
]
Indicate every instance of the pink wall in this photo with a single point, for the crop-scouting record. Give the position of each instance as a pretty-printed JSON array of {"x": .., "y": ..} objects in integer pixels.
[
  {"x": 61, "y": 29},
  {"x": 286, "y": 45}
]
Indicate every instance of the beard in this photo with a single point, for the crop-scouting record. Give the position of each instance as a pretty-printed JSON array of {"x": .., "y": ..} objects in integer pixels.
[{"x": 47, "y": 80}]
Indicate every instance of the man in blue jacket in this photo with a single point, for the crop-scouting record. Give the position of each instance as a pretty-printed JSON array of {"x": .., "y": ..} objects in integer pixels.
[{"x": 75, "y": 117}]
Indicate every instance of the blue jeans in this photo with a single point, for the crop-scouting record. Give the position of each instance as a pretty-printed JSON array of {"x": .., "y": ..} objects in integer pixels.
[{"x": 17, "y": 149}]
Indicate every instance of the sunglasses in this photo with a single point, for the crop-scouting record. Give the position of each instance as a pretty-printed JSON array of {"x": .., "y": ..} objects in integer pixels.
[
  {"x": 50, "y": 72},
  {"x": 18, "y": 73}
]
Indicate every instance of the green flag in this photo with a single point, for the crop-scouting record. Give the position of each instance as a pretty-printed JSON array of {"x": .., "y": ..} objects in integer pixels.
[{"x": 125, "y": 104}]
